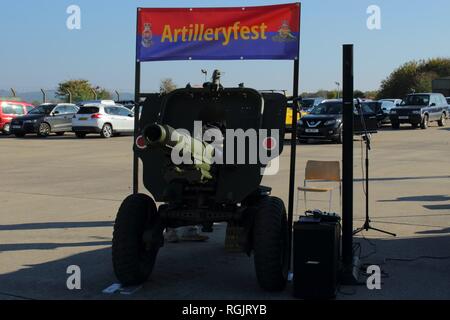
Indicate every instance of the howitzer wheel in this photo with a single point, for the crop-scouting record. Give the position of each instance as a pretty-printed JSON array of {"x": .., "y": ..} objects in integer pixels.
[
  {"x": 133, "y": 258},
  {"x": 270, "y": 244}
]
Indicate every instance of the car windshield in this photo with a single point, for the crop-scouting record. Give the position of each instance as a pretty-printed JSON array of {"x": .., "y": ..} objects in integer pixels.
[
  {"x": 12, "y": 109},
  {"x": 88, "y": 110},
  {"x": 370, "y": 107},
  {"x": 328, "y": 108},
  {"x": 307, "y": 103},
  {"x": 45, "y": 109},
  {"x": 387, "y": 104},
  {"x": 416, "y": 100}
]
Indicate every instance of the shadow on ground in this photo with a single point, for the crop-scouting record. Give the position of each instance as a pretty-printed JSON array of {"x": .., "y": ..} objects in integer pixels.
[
  {"x": 206, "y": 271},
  {"x": 56, "y": 225},
  {"x": 423, "y": 198}
]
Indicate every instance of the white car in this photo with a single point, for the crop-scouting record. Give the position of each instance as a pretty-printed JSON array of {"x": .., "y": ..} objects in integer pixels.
[{"x": 104, "y": 119}]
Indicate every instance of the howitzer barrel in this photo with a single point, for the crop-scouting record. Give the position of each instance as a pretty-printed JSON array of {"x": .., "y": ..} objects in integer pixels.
[
  {"x": 155, "y": 134},
  {"x": 204, "y": 154}
]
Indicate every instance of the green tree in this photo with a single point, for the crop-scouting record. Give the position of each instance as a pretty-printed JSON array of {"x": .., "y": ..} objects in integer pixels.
[
  {"x": 81, "y": 90},
  {"x": 414, "y": 75},
  {"x": 331, "y": 94},
  {"x": 358, "y": 94},
  {"x": 167, "y": 85}
]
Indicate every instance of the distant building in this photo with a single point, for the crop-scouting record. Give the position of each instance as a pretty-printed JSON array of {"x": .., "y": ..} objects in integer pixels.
[{"x": 441, "y": 85}]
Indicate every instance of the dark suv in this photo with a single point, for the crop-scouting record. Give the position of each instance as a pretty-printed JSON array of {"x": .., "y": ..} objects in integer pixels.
[
  {"x": 45, "y": 119},
  {"x": 324, "y": 122},
  {"x": 420, "y": 109}
]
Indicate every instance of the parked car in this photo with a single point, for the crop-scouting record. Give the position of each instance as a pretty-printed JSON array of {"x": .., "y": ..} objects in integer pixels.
[
  {"x": 309, "y": 103},
  {"x": 386, "y": 106},
  {"x": 306, "y": 106},
  {"x": 376, "y": 108},
  {"x": 45, "y": 119},
  {"x": 9, "y": 110},
  {"x": 126, "y": 103},
  {"x": 104, "y": 102},
  {"x": 420, "y": 109},
  {"x": 106, "y": 120},
  {"x": 448, "y": 106},
  {"x": 324, "y": 122}
]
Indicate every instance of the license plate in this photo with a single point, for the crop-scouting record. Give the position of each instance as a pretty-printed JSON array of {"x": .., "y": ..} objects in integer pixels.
[
  {"x": 82, "y": 119},
  {"x": 403, "y": 117},
  {"x": 16, "y": 127},
  {"x": 312, "y": 130}
]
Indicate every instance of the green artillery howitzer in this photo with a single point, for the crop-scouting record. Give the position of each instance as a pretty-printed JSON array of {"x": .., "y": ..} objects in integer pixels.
[
  {"x": 201, "y": 153},
  {"x": 192, "y": 184}
]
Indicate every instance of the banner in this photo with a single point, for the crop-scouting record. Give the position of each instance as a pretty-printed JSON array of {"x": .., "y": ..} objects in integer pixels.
[{"x": 264, "y": 32}]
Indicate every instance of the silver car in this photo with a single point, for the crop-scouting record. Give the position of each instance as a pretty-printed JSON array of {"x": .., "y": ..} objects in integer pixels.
[{"x": 107, "y": 120}]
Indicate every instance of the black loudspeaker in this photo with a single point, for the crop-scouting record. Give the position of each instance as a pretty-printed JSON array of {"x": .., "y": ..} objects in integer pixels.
[{"x": 316, "y": 258}]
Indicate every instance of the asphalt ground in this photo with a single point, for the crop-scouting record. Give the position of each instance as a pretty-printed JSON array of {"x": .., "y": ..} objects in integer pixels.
[{"x": 59, "y": 197}]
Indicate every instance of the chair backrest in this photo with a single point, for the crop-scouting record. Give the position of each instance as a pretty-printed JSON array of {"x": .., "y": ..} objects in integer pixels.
[{"x": 323, "y": 170}]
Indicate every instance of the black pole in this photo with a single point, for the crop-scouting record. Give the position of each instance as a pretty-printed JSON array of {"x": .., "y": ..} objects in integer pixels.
[
  {"x": 293, "y": 156},
  {"x": 367, "y": 178},
  {"x": 137, "y": 94},
  {"x": 347, "y": 159},
  {"x": 293, "y": 148}
]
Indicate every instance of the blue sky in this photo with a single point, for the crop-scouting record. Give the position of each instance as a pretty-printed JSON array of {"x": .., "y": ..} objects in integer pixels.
[{"x": 38, "y": 51}]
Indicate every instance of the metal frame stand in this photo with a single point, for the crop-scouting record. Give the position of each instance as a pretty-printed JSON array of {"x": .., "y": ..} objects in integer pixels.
[
  {"x": 366, "y": 137},
  {"x": 137, "y": 97}
]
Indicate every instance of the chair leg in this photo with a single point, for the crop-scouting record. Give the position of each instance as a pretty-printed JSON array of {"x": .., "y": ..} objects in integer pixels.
[
  {"x": 331, "y": 199},
  {"x": 306, "y": 208}
]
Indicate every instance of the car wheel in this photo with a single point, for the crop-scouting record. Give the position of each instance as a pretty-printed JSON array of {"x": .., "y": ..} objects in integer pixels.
[
  {"x": 339, "y": 137},
  {"x": 80, "y": 135},
  {"x": 441, "y": 121},
  {"x": 60, "y": 134},
  {"x": 44, "y": 129},
  {"x": 395, "y": 125},
  {"x": 270, "y": 244},
  {"x": 6, "y": 129},
  {"x": 424, "y": 123},
  {"x": 137, "y": 237},
  {"x": 107, "y": 131}
]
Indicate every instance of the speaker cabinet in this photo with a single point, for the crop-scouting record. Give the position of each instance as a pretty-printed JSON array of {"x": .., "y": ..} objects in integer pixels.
[{"x": 316, "y": 259}]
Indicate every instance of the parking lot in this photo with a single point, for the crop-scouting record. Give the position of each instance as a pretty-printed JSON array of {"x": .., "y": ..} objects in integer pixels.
[{"x": 59, "y": 197}]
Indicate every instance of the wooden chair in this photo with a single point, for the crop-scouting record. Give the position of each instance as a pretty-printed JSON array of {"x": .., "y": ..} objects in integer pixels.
[{"x": 321, "y": 171}]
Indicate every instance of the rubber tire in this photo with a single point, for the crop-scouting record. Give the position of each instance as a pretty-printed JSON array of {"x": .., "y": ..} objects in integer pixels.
[
  {"x": 80, "y": 135},
  {"x": 44, "y": 135},
  {"x": 395, "y": 125},
  {"x": 339, "y": 138},
  {"x": 424, "y": 123},
  {"x": 132, "y": 261},
  {"x": 441, "y": 121},
  {"x": 7, "y": 132},
  {"x": 270, "y": 244},
  {"x": 19, "y": 135},
  {"x": 102, "y": 133}
]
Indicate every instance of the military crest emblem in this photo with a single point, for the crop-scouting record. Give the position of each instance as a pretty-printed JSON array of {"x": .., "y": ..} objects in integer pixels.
[
  {"x": 147, "y": 35},
  {"x": 284, "y": 33}
]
